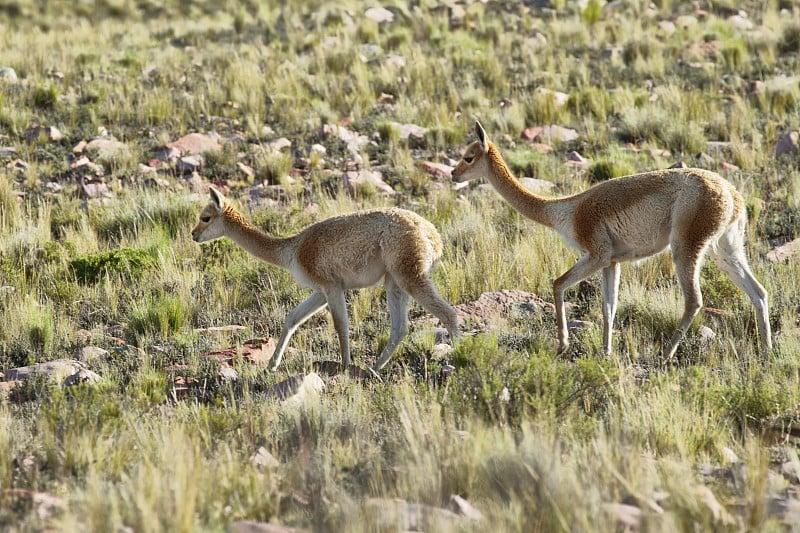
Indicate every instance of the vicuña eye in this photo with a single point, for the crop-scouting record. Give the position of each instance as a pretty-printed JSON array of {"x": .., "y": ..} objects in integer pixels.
[
  {"x": 205, "y": 219},
  {"x": 468, "y": 160}
]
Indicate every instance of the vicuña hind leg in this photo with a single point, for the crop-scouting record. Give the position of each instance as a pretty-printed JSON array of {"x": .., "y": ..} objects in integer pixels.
[
  {"x": 732, "y": 261},
  {"x": 398, "y": 301},
  {"x": 299, "y": 314},
  {"x": 424, "y": 292}
]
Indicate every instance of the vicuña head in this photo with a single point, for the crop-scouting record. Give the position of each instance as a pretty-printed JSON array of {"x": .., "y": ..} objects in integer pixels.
[
  {"x": 340, "y": 253},
  {"x": 692, "y": 211}
]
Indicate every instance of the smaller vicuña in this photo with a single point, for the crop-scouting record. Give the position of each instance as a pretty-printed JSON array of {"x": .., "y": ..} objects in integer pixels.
[
  {"x": 344, "y": 252},
  {"x": 689, "y": 210}
]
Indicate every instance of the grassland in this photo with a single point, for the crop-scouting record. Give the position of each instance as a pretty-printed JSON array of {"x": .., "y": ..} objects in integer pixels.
[{"x": 534, "y": 441}]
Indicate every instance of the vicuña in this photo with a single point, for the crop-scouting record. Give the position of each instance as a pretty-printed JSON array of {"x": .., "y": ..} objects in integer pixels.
[
  {"x": 344, "y": 252},
  {"x": 692, "y": 211}
]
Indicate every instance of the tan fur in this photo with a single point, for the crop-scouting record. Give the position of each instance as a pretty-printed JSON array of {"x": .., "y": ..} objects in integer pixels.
[
  {"x": 341, "y": 253},
  {"x": 633, "y": 217}
]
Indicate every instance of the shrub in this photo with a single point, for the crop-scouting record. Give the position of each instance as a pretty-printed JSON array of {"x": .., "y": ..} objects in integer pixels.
[{"x": 129, "y": 262}]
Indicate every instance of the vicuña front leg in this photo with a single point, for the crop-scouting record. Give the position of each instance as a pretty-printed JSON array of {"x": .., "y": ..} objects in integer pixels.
[
  {"x": 610, "y": 287},
  {"x": 688, "y": 259},
  {"x": 296, "y": 318},
  {"x": 338, "y": 307},
  {"x": 582, "y": 269}
]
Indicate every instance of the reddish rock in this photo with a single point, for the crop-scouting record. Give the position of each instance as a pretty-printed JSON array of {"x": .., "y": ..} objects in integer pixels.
[
  {"x": 195, "y": 143},
  {"x": 253, "y": 351},
  {"x": 436, "y": 170},
  {"x": 785, "y": 252}
]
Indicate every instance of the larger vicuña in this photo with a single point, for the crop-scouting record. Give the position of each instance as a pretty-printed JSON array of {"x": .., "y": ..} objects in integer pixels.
[
  {"x": 690, "y": 210},
  {"x": 340, "y": 253}
]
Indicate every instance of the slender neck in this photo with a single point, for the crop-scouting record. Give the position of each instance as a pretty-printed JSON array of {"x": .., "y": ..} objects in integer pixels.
[
  {"x": 529, "y": 204},
  {"x": 252, "y": 239}
]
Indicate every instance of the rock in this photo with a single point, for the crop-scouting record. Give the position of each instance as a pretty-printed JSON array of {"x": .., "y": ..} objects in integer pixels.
[
  {"x": 787, "y": 144},
  {"x": 8, "y": 151},
  {"x": 679, "y": 164},
  {"x": 84, "y": 166},
  {"x": 8, "y": 75},
  {"x": 264, "y": 458},
  {"x": 728, "y": 167},
  {"x": 380, "y": 15},
  {"x": 559, "y": 98},
  {"x": 94, "y": 188},
  {"x": 549, "y": 134},
  {"x": 45, "y": 505},
  {"x": 463, "y": 508},
  {"x": 280, "y": 144},
  {"x": 791, "y": 471},
  {"x": 705, "y": 159},
  {"x": 686, "y": 21},
  {"x": 80, "y": 377},
  {"x": 400, "y": 515},
  {"x": 741, "y": 22},
  {"x": 318, "y": 149},
  {"x": 728, "y": 455},
  {"x": 193, "y": 144},
  {"x": 43, "y": 134},
  {"x": 785, "y": 252},
  {"x": 574, "y": 159},
  {"x": 537, "y": 185},
  {"x": 355, "y": 141},
  {"x": 491, "y": 305},
  {"x": 253, "y": 351},
  {"x": 91, "y": 354},
  {"x": 666, "y": 27},
  {"x": 56, "y": 370},
  {"x": 17, "y": 165},
  {"x": 410, "y": 131},
  {"x": 457, "y": 16},
  {"x": 221, "y": 329},
  {"x": 107, "y": 148},
  {"x": 296, "y": 388},
  {"x": 436, "y": 170},
  {"x": 579, "y": 324},
  {"x": 706, "y": 335},
  {"x": 627, "y": 516},
  {"x": 355, "y": 180},
  {"x": 441, "y": 350},
  {"x": 247, "y": 170},
  {"x": 190, "y": 163},
  {"x": 718, "y": 511},
  {"x": 251, "y": 526},
  {"x": 227, "y": 374}
]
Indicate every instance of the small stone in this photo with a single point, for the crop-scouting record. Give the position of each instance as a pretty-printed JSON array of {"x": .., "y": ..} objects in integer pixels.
[
  {"x": 381, "y": 15},
  {"x": 56, "y": 370},
  {"x": 462, "y": 507},
  {"x": 706, "y": 335},
  {"x": 559, "y": 98},
  {"x": 246, "y": 169},
  {"x": 728, "y": 455},
  {"x": 195, "y": 143},
  {"x": 43, "y": 134},
  {"x": 355, "y": 180},
  {"x": 666, "y": 27},
  {"x": 441, "y": 350},
  {"x": 106, "y": 148},
  {"x": 8, "y": 75},
  {"x": 94, "y": 188},
  {"x": 190, "y": 163},
  {"x": 297, "y": 388},
  {"x": 280, "y": 144},
  {"x": 680, "y": 164},
  {"x": 317, "y": 148},
  {"x": 227, "y": 374},
  {"x": 787, "y": 144},
  {"x": 264, "y": 458}
]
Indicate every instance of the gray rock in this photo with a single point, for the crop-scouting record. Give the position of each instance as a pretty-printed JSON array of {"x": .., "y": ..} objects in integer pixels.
[
  {"x": 106, "y": 148},
  {"x": 355, "y": 180},
  {"x": 787, "y": 144},
  {"x": 8, "y": 75},
  {"x": 80, "y": 377},
  {"x": 91, "y": 354},
  {"x": 251, "y": 526},
  {"x": 381, "y": 15},
  {"x": 228, "y": 374},
  {"x": 280, "y": 144},
  {"x": 190, "y": 163},
  {"x": 56, "y": 370},
  {"x": 297, "y": 388},
  {"x": 263, "y": 458},
  {"x": 355, "y": 141},
  {"x": 537, "y": 185},
  {"x": 43, "y": 134}
]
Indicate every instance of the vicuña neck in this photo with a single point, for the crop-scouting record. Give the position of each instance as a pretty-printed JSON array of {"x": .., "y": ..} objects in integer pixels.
[
  {"x": 529, "y": 204},
  {"x": 252, "y": 239}
]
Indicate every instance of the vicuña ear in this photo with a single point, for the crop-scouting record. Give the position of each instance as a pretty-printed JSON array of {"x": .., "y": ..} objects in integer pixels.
[
  {"x": 481, "y": 133},
  {"x": 217, "y": 198}
]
